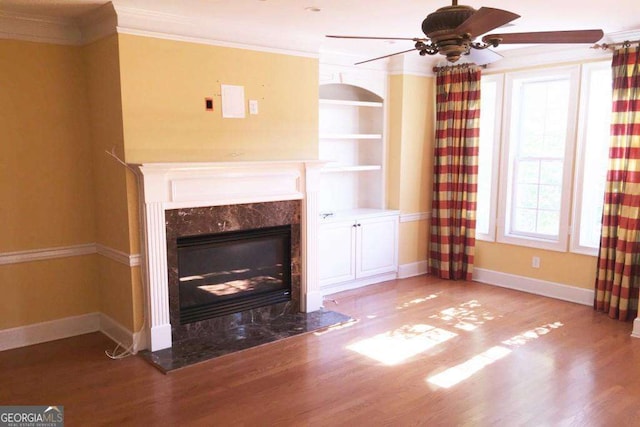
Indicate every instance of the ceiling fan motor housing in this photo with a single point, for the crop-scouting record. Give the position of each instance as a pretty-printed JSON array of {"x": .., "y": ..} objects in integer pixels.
[{"x": 440, "y": 27}]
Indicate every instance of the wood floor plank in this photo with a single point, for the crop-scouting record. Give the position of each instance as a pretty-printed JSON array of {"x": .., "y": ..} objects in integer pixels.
[{"x": 424, "y": 352}]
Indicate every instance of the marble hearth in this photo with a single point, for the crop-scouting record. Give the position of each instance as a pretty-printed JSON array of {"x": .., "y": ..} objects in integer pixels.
[{"x": 191, "y": 198}]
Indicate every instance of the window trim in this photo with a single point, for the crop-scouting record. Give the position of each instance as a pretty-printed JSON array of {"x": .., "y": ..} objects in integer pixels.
[
  {"x": 506, "y": 162},
  {"x": 495, "y": 155},
  {"x": 585, "y": 77}
]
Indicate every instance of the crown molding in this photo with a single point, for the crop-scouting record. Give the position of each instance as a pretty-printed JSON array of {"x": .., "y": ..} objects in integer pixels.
[
  {"x": 212, "y": 42},
  {"x": 621, "y": 36},
  {"x": 35, "y": 28},
  {"x": 111, "y": 19},
  {"x": 141, "y": 22},
  {"x": 541, "y": 55},
  {"x": 98, "y": 23}
]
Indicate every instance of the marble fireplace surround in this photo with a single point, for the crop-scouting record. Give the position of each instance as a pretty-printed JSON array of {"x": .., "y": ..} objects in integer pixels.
[
  {"x": 169, "y": 186},
  {"x": 218, "y": 219}
]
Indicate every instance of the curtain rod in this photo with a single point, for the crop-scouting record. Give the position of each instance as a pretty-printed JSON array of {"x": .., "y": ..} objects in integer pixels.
[
  {"x": 454, "y": 66},
  {"x": 614, "y": 46}
]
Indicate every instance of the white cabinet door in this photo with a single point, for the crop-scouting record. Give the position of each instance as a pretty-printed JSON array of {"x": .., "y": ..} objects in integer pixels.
[
  {"x": 357, "y": 249},
  {"x": 336, "y": 249},
  {"x": 377, "y": 246}
]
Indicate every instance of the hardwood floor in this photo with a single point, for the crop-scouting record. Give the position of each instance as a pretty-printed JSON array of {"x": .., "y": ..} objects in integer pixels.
[{"x": 425, "y": 352}]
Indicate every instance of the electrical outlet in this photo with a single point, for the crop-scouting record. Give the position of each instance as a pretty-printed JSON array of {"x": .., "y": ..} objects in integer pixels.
[
  {"x": 535, "y": 262},
  {"x": 253, "y": 106}
]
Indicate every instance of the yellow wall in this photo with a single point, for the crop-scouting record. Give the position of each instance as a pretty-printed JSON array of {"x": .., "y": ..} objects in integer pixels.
[
  {"x": 110, "y": 182},
  {"x": 46, "y": 187},
  {"x": 116, "y": 225},
  {"x": 116, "y": 292},
  {"x": 557, "y": 267},
  {"x": 45, "y": 158},
  {"x": 164, "y": 84},
  {"x": 411, "y": 133},
  {"x": 40, "y": 291}
]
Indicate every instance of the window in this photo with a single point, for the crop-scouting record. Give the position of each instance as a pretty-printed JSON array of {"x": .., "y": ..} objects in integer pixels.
[
  {"x": 591, "y": 171},
  {"x": 537, "y": 158},
  {"x": 532, "y": 131}
]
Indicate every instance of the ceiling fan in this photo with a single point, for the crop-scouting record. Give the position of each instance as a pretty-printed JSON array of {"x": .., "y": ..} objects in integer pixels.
[{"x": 451, "y": 31}]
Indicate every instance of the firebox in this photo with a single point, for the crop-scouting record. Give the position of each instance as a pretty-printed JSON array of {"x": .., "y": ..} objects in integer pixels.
[{"x": 230, "y": 272}]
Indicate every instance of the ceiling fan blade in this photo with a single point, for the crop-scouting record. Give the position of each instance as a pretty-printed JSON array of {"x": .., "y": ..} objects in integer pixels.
[
  {"x": 576, "y": 36},
  {"x": 485, "y": 19},
  {"x": 483, "y": 56},
  {"x": 385, "y": 56},
  {"x": 415, "y": 39}
]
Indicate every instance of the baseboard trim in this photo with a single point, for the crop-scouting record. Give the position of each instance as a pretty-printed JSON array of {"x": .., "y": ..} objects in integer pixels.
[
  {"x": 68, "y": 327},
  {"x": 534, "y": 286},
  {"x": 413, "y": 269},
  {"x": 49, "y": 331},
  {"x": 332, "y": 289},
  {"x": 118, "y": 333},
  {"x": 636, "y": 328}
]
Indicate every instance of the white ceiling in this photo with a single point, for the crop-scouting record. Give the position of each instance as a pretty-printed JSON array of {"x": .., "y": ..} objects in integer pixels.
[{"x": 291, "y": 24}]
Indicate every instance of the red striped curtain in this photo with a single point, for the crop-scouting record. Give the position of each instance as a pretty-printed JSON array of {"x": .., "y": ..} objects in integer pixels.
[
  {"x": 453, "y": 223},
  {"x": 619, "y": 257}
]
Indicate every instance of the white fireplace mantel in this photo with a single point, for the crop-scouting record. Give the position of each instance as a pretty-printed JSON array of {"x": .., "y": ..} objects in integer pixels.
[{"x": 187, "y": 185}]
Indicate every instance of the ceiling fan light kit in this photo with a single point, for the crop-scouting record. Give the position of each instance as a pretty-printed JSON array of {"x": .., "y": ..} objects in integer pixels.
[{"x": 451, "y": 31}]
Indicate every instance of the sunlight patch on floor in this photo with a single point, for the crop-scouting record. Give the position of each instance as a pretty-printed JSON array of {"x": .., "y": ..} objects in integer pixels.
[
  {"x": 394, "y": 347},
  {"x": 461, "y": 372},
  {"x": 467, "y": 316},
  {"x": 531, "y": 334},
  {"x": 416, "y": 301}
]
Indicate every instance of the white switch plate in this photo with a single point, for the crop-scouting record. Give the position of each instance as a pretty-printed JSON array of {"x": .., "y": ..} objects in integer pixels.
[{"x": 253, "y": 106}]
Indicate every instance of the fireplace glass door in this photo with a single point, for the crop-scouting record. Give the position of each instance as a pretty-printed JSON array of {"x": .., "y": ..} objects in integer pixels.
[{"x": 226, "y": 273}]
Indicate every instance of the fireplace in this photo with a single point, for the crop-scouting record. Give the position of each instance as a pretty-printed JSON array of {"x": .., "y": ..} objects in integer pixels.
[
  {"x": 214, "y": 251},
  {"x": 227, "y": 273},
  {"x": 191, "y": 199}
]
